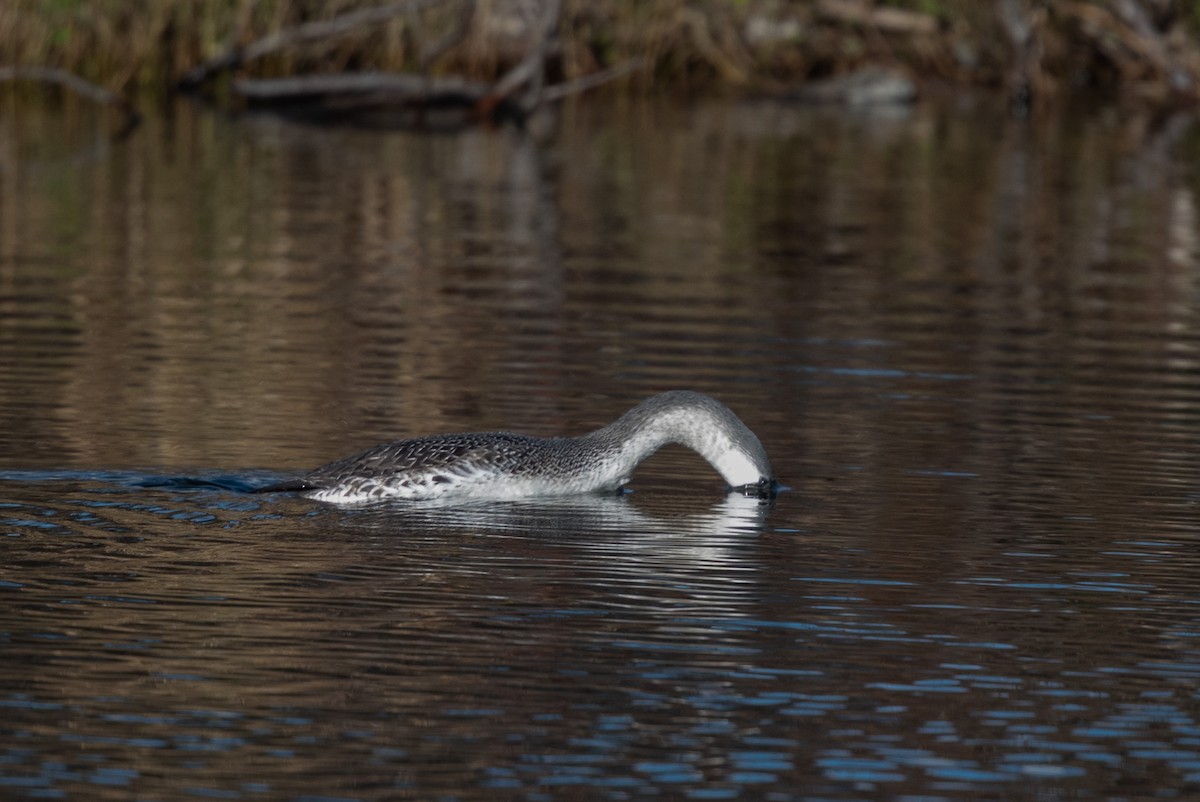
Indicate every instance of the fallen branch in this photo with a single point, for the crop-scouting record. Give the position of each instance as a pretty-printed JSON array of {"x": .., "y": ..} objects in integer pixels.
[
  {"x": 389, "y": 100},
  {"x": 557, "y": 92},
  {"x": 86, "y": 89},
  {"x": 884, "y": 19},
  {"x": 410, "y": 100},
  {"x": 404, "y": 97},
  {"x": 532, "y": 69},
  {"x": 309, "y": 32},
  {"x": 400, "y": 85},
  {"x": 1110, "y": 34}
]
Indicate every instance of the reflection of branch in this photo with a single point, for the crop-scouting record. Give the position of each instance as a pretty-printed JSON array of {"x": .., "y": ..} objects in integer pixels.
[
  {"x": 562, "y": 90},
  {"x": 312, "y": 31},
  {"x": 94, "y": 93}
]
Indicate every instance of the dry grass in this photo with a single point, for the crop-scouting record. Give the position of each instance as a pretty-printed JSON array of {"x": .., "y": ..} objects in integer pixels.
[
  {"x": 689, "y": 44},
  {"x": 125, "y": 43}
]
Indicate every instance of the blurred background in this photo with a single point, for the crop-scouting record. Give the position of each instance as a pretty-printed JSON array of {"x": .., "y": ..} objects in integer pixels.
[{"x": 942, "y": 257}]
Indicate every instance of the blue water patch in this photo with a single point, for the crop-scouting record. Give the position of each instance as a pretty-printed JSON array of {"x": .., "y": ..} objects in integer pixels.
[
  {"x": 1167, "y": 754},
  {"x": 851, "y": 581},
  {"x": 701, "y": 648},
  {"x": 783, "y": 672},
  {"x": 859, "y": 769},
  {"x": 113, "y": 776},
  {"x": 713, "y": 793},
  {"x": 153, "y": 719},
  {"x": 752, "y": 777},
  {"x": 576, "y": 775},
  {"x": 1006, "y": 714},
  {"x": 761, "y": 761},
  {"x": 211, "y": 793},
  {"x": 881, "y": 373},
  {"x": 716, "y": 726},
  {"x": 25, "y": 702},
  {"x": 30, "y": 523},
  {"x": 922, "y": 686},
  {"x": 120, "y": 599},
  {"x": 669, "y": 772},
  {"x": 860, "y": 775},
  {"x": 968, "y": 774},
  {"x": 1046, "y": 770}
]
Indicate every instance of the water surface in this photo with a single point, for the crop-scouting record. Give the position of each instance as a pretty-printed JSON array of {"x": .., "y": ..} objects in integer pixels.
[{"x": 969, "y": 344}]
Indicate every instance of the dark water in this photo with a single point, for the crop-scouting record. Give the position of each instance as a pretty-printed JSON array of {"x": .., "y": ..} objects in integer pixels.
[{"x": 970, "y": 345}]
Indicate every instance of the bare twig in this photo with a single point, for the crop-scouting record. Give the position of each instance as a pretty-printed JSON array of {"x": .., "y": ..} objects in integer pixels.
[{"x": 309, "y": 32}]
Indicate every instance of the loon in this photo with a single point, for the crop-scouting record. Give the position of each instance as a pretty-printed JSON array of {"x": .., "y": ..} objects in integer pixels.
[{"x": 502, "y": 465}]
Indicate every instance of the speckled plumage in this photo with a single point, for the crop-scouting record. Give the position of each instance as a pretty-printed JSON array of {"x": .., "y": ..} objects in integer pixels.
[{"x": 505, "y": 465}]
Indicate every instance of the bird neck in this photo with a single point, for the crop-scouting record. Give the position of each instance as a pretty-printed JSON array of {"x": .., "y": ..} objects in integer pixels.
[{"x": 689, "y": 420}]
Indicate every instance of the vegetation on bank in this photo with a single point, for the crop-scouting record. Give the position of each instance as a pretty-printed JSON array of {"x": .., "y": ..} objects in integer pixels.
[{"x": 1035, "y": 48}]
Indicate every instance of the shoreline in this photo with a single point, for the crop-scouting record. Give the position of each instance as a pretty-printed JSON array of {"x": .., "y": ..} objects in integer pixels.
[{"x": 1122, "y": 49}]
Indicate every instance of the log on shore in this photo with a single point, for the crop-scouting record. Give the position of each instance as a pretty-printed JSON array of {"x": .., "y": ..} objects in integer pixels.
[{"x": 392, "y": 100}]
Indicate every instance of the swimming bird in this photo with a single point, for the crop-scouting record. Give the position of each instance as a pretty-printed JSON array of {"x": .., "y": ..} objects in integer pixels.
[{"x": 502, "y": 465}]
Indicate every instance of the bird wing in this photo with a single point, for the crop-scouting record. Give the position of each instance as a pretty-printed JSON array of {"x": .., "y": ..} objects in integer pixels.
[{"x": 454, "y": 456}]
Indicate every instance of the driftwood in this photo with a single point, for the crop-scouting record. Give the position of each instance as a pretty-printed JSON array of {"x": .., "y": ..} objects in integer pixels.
[
  {"x": 532, "y": 69},
  {"x": 402, "y": 99},
  {"x": 883, "y": 18},
  {"x": 86, "y": 89},
  {"x": 406, "y": 100},
  {"x": 381, "y": 99},
  {"x": 411, "y": 100},
  {"x": 236, "y": 56}
]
